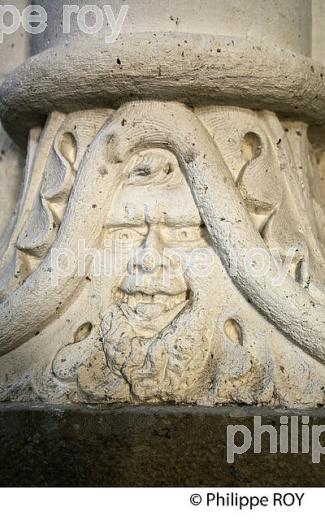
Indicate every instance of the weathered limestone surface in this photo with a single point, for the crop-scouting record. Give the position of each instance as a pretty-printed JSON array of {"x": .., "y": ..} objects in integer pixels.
[
  {"x": 14, "y": 50},
  {"x": 168, "y": 243}
]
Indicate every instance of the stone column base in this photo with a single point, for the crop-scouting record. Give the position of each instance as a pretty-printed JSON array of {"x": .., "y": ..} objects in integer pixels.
[{"x": 145, "y": 446}]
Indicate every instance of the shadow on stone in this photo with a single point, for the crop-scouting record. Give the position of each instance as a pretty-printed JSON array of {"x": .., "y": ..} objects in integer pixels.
[{"x": 115, "y": 446}]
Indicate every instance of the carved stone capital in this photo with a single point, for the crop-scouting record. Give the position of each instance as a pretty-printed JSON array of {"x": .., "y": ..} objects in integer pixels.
[{"x": 169, "y": 241}]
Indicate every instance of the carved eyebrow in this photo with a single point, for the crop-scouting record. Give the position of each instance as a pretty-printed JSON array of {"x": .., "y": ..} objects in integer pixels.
[
  {"x": 179, "y": 220},
  {"x": 120, "y": 220},
  {"x": 183, "y": 220},
  {"x": 143, "y": 230}
]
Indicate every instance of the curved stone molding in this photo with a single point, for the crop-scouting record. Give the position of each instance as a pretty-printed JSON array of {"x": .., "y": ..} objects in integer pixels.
[
  {"x": 11, "y": 170},
  {"x": 141, "y": 66}
]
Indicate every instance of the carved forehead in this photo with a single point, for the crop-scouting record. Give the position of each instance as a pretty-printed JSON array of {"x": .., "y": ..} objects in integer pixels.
[{"x": 156, "y": 191}]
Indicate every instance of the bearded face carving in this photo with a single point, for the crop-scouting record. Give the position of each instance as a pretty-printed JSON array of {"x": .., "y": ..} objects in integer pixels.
[
  {"x": 178, "y": 202},
  {"x": 147, "y": 219},
  {"x": 158, "y": 221},
  {"x": 157, "y": 330}
]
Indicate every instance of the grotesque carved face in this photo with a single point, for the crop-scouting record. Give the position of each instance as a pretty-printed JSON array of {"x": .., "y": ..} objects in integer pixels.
[
  {"x": 157, "y": 321},
  {"x": 156, "y": 230},
  {"x": 158, "y": 327}
]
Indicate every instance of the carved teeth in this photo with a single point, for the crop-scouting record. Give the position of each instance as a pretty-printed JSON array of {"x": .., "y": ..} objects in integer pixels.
[
  {"x": 140, "y": 300},
  {"x": 132, "y": 301},
  {"x": 170, "y": 303},
  {"x": 180, "y": 298},
  {"x": 160, "y": 298}
]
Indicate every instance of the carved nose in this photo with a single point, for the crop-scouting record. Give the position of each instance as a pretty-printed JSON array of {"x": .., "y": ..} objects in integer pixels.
[
  {"x": 149, "y": 257},
  {"x": 148, "y": 262},
  {"x": 145, "y": 260}
]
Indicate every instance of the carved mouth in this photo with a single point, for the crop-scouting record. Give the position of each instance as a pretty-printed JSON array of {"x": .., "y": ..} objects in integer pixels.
[{"x": 149, "y": 306}]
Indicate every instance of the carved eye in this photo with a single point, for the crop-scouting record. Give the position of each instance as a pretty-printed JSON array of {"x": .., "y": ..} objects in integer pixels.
[
  {"x": 126, "y": 235},
  {"x": 190, "y": 234},
  {"x": 184, "y": 235}
]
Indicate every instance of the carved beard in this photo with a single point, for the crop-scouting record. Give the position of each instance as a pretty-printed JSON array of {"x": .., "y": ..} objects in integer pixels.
[{"x": 176, "y": 364}]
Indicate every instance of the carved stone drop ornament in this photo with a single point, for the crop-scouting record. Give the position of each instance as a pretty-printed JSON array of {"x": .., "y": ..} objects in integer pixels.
[{"x": 169, "y": 239}]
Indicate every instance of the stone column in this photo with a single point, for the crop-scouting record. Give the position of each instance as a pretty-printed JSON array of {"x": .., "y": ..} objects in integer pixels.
[
  {"x": 14, "y": 50},
  {"x": 169, "y": 239}
]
